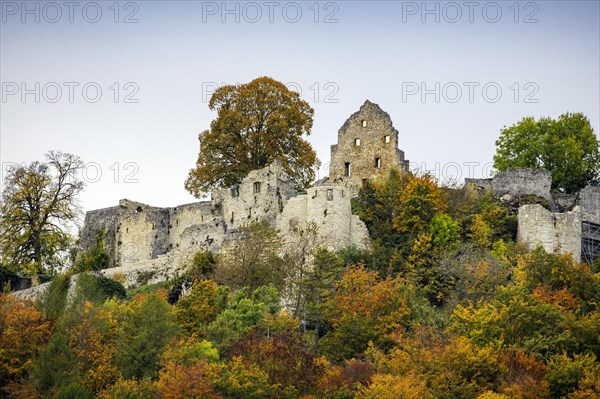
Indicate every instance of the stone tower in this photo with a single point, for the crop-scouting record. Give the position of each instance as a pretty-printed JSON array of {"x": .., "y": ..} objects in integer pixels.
[{"x": 367, "y": 148}]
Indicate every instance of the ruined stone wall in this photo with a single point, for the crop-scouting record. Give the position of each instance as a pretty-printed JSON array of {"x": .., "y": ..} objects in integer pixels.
[
  {"x": 262, "y": 195},
  {"x": 329, "y": 208},
  {"x": 138, "y": 232},
  {"x": 367, "y": 148},
  {"x": 522, "y": 182},
  {"x": 554, "y": 231},
  {"x": 101, "y": 219},
  {"x": 589, "y": 199},
  {"x": 197, "y": 227},
  {"x": 142, "y": 232},
  {"x": 517, "y": 183}
]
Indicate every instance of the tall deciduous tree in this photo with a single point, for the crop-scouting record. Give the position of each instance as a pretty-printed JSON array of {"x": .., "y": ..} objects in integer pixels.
[
  {"x": 38, "y": 204},
  {"x": 256, "y": 123},
  {"x": 567, "y": 147}
]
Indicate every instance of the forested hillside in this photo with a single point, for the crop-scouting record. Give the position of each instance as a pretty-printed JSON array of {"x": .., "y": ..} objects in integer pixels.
[{"x": 444, "y": 304}]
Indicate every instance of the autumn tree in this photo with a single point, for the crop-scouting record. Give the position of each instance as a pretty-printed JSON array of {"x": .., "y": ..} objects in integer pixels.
[
  {"x": 38, "y": 205},
  {"x": 186, "y": 372},
  {"x": 180, "y": 381},
  {"x": 420, "y": 201},
  {"x": 24, "y": 331},
  {"x": 196, "y": 310},
  {"x": 516, "y": 318},
  {"x": 284, "y": 357},
  {"x": 567, "y": 147},
  {"x": 242, "y": 379},
  {"x": 363, "y": 309},
  {"x": 257, "y": 123},
  {"x": 92, "y": 340}
]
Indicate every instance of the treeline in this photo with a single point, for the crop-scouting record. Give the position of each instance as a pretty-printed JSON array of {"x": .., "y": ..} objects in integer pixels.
[{"x": 444, "y": 304}]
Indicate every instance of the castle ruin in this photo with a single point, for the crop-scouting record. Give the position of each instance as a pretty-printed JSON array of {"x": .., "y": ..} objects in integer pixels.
[
  {"x": 568, "y": 223},
  {"x": 367, "y": 148},
  {"x": 149, "y": 244},
  {"x": 142, "y": 238}
]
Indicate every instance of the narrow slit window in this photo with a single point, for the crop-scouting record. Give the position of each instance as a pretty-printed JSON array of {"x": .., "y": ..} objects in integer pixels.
[
  {"x": 377, "y": 163},
  {"x": 347, "y": 169},
  {"x": 387, "y": 139},
  {"x": 329, "y": 194},
  {"x": 357, "y": 142},
  {"x": 364, "y": 123}
]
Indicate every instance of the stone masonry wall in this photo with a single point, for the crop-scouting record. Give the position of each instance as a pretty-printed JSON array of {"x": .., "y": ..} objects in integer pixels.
[
  {"x": 261, "y": 196},
  {"x": 520, "y": 182},
  {"x": 101, "y": 219},
  {"x": 329, "y": 208},
  {"x": 367, "y": 148},
  {"x": 554, "y": 231},
  {"x": 589, "y": 198}
]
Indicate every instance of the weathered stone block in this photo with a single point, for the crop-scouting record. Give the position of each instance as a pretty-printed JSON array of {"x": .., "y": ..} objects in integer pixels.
[{"x": 554, "y": 231}]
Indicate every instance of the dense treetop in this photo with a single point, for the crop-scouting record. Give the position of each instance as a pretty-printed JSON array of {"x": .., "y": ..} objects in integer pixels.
[
  {"x": 257, "y": 123},
  {"x": 567, "y": 147}
]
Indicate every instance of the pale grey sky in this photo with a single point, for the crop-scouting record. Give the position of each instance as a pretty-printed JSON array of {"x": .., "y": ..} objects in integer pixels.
[{"x": 125, "y": 85}]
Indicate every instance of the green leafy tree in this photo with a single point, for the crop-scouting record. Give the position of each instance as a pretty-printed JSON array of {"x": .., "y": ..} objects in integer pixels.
[
  {"x": 38, "y": 204},
  {"x": 202, "y": 266},
  {"x": 565, "y": 373},
  {"x": 243, "y": 312},
  {"x": 515, "y": 318},
  {"x": 567, "y": 147},
  {"x": 146, "y": 325},
  {"x": 444, "y": 230},
  {"x": 56, "y": 365},
  {"x": 257, "y": 123}
]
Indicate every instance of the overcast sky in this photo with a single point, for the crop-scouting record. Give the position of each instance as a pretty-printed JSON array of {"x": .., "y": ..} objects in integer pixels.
[{"x": 125, "y": 85}]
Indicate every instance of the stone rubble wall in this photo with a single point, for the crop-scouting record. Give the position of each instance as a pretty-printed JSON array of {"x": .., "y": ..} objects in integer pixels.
[
  {"x": 554, "y": 231},
  {"x": 523, "y": 182},
  {"x": 516, "y": 183},
  {"x": 329, "y": 208}
]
